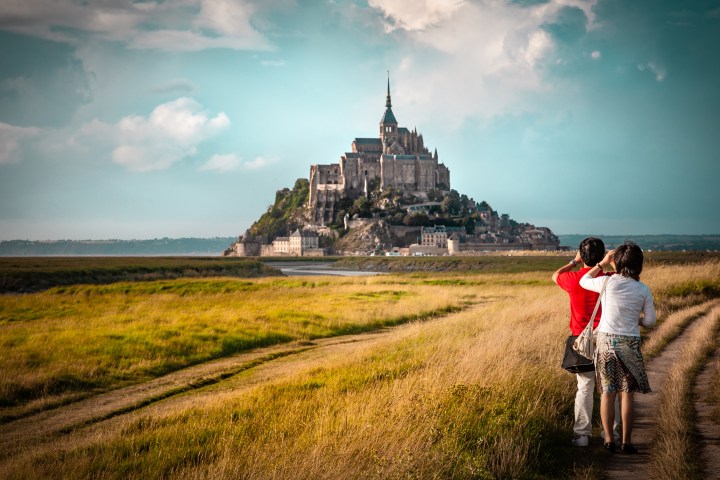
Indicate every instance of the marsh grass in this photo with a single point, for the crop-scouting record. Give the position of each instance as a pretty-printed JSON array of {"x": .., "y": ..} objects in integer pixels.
[
  {"x": 477, "y": 394},
  {"x": 80, "y": 339},
  {"x": 28, "y": 274},
  {"x": 674, "y": 454}
]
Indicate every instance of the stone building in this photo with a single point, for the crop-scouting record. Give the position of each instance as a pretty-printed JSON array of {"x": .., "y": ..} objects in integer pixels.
[
  {"x": 300, "y": 241},
  {"x": 397, "y": 158},
  {"x": 281, "y": 245}
]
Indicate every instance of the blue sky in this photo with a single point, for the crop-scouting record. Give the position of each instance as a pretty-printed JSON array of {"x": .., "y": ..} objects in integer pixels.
[{"x": 123, "y": 119}]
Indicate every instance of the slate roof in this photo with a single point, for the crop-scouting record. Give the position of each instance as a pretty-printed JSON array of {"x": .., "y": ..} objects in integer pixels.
[
  {"x": 388, "y": 117},
  {"x": 303, "y": 233},
  {"x": 368, "y": 141},
  {"x": 403, "y": 130}
]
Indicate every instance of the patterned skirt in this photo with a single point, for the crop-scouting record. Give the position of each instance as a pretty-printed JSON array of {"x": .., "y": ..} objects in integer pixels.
[{"x": 619, "y": 364}]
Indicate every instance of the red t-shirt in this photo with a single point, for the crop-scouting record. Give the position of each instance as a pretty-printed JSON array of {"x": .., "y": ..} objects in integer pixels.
[{"x": 582, "y": 302}]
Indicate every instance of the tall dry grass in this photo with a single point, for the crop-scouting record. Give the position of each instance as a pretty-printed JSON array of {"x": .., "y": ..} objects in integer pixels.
[
  {"x": 674, "y": 454},
  {"x": 476, "y": 394},
  {"x": 673, "y": 326}
]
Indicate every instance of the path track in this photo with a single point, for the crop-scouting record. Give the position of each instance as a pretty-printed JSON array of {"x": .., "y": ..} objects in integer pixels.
[
  {"x": 18, "y": 434},
  {"x": 646, "y": 407},
  {"x": 708, "y": 429}
]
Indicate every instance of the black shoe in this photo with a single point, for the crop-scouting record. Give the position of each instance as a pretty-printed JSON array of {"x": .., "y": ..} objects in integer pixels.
[
  {"x": 628, "y": 448},
  {"x": 610, "y": 447}
]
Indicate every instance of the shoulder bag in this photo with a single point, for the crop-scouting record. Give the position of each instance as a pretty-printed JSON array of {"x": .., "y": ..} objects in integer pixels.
[{"x": 580, "y": 349}]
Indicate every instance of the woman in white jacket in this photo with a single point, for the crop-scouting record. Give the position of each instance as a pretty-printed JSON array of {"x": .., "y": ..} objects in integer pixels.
[{"x": 618, "y": 361}]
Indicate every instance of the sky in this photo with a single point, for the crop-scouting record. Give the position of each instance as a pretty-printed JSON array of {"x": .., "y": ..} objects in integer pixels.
[{"x": 148, "y": 119}]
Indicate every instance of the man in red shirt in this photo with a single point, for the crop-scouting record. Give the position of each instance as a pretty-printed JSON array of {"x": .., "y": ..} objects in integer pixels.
[{"x": 582, "y": 303}]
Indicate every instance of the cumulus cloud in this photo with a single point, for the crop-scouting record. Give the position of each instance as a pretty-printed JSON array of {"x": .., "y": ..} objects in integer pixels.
[
  {"x": 596, "y": 54},
  {"x": 415, "y": 15},
  {"x": 11, "y": 138},
  {"x": 657, "y": 70},
  {"x": 230, "y": 161},
  {"x": 188, "y": 25},
  {"x": 496, "y": 50},
  {"x": 171, "y": 132}
]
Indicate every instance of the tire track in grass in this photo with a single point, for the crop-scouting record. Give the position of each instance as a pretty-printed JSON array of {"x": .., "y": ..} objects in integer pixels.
[
  {"x": 708, "y": 427},
  {"x": 40, "y": 427},
  {"x": 637, "y": 466}
]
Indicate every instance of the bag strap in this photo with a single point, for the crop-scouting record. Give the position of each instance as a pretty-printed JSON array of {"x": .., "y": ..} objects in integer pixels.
[{"x": 597, "y": 304}]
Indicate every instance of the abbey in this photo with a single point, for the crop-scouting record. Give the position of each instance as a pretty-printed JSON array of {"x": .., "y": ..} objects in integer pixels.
[{"x": 398, "y": 158}]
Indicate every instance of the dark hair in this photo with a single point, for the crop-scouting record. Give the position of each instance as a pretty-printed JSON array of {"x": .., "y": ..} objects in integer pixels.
[
  {"x": 629, "y": 260},
  {"x": 592, "y": 251}
]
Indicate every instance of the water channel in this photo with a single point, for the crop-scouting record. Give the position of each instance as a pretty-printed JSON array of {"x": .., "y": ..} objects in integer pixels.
[{"x": 295, "y": 269}]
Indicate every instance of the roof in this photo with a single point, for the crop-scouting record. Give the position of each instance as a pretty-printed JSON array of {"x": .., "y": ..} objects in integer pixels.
[
  {"x": 369, "y": 141},
  {"x": 434, "y": 229},
  {"x": 304, "y": 233},
  {"x": 388, "y": 117},
  {"x": 403, "y": 130}
]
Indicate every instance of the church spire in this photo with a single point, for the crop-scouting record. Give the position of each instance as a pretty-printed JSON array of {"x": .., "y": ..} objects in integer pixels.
[{"x": 388, "y": 104}]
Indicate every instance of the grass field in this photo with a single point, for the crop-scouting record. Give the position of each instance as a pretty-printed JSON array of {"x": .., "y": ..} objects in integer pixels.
[
  {"x": 472, "y": 391},
  {"x": 70, "y": 340},
  {"x": 28, "y": 274}
]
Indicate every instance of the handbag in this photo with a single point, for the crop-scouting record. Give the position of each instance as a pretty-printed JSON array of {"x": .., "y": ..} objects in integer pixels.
[
  {"x": 574, "y": 362},
  {"x": 580, "y": 349}
]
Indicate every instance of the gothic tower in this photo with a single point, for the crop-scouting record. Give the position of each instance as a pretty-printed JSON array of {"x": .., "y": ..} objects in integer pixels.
[{"x": 388, "y": 124}]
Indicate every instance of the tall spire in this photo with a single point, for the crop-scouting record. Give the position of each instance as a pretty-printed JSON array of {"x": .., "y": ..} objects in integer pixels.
[{"x": 388, "y": 104}]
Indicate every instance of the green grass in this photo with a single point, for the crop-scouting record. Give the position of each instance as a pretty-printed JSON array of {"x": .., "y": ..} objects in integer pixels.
[
  {"x": 27, "y": 274},
  {"x": 484, "y": 264},
  {"x": 93, "y": 337},
  {"x": 477, "y": 394}
]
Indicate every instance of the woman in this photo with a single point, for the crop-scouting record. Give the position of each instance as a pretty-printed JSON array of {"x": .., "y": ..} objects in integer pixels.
[{"x": 618, "y": 361}]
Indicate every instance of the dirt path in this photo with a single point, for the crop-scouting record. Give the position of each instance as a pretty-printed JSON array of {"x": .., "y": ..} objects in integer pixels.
[
  {"x": 708, "y": 429},
  {"x": 18, "y": 434},
  {"x": 646, "y": 407}
]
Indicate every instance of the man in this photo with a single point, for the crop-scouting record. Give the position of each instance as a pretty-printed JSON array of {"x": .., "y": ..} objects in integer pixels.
[{"x": 582, "y": 303}]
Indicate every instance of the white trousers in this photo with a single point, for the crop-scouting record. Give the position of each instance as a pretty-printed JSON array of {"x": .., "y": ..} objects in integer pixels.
[{"x": 584, "y": 405}]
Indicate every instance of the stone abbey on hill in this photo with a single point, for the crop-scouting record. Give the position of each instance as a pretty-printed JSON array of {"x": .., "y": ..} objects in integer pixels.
[
  {"x": 397, "y": 158},
  {"x": 389, "y": 195}
]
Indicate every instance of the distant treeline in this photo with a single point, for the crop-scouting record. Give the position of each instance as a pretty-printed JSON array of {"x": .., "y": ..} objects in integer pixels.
[
  {"x": 155, "y": 247},
  {"x": 674, "y": 243}
]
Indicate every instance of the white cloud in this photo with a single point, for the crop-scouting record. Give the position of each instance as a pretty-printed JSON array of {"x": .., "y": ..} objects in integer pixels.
[
  {"x": 657, "y": 70},
  {"x": 596, "y": 54},
  {"x": 480, "y": 58},
  {"x": 171, "y": 132},
  {"x": 188, "y": 25},
  {"x": 259, "y": 162},
  {"x": 415, "y": 15},
  {"x": 230, "y": 161},
  {"x": 222, "y": 163},
  {"x": 11, "y": 138}
]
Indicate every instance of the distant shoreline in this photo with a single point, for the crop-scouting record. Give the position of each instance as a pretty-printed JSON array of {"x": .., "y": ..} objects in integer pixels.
[{"x": 211, "y": 247}]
